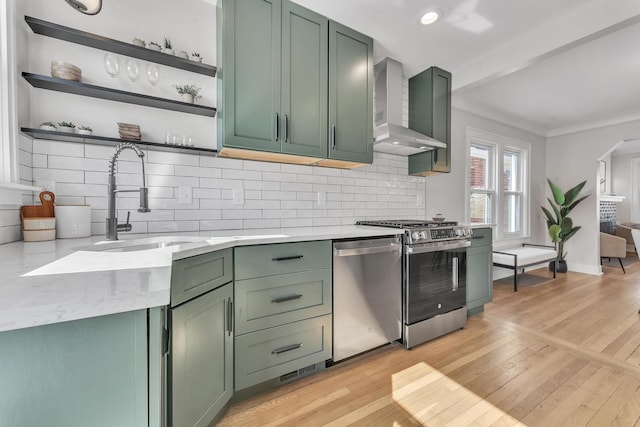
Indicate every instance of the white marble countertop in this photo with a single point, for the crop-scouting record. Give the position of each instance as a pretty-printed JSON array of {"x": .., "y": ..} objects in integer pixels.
[{"x": 66, "y": 279}]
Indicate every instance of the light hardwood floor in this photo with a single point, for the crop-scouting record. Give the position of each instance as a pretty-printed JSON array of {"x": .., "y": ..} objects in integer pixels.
[{"x": 566, "y": 352}]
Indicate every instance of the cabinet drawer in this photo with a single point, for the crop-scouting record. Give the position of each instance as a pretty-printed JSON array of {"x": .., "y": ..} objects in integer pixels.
[
  {"x": 196, "y": 275},
  {"x": 282, "y": 258},
  {"x": 267, "y": 354},
  {"x": 481, "y": 237},
  {"x": 275, "y": 300}
]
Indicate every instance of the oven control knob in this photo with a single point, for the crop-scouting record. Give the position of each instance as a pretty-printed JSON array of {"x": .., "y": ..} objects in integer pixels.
[
  {"x": 415, "y": 236},
  {"x": 467, "y": 232},
  {"x": 459, "y": 232},
  {"x": 423, "y": 235}
]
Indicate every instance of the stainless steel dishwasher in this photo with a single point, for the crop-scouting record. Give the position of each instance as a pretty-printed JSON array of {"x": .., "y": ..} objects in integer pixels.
[{"x": 367, "y": 294}]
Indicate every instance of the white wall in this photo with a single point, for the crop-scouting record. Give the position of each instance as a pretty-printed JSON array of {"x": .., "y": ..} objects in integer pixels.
[
  {"x": 621, "y": 184},
  {"x": 571, "y": 159},
  {"x": 446, "y": 192}
]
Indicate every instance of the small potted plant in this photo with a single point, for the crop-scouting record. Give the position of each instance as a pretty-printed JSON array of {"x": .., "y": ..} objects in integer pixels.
[
  {"x": 139, "y": 42},
  {"x": 85, "y": 130},
  {"x": 183, "y": 54},
  {"x": 189, "y": 93},
  {"x": 48, "y": 126},
  {"x": 167, "y": 47},
  {"x": 559, "y": 224},
  {"x": 154, "y": 46},
  {"x": 66, "y": 127},
  {"x": 195, "y": 56}
]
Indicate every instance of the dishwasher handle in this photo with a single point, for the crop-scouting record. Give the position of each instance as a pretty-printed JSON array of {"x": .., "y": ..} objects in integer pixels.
[{"x": 349, "y": 249}]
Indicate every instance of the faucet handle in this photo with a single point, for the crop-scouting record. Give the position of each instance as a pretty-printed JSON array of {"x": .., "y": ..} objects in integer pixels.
[{"x": 126, "y": 226}]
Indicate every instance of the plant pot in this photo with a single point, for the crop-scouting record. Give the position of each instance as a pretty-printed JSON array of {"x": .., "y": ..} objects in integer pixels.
[
  {"x": 561, "y": 266},
  {"x": 154, "y": 47},
  {"x": 183, "y": 54},
  {"x": 47, "y": 127},
  {"x": 168, "y": 51},
  {"x": 187, "y": 97},
  {"x": 66, "y": 129},
  {"x": 84, "y": 132}
]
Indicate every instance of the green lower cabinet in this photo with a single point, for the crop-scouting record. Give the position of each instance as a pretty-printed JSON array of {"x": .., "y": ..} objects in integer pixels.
[
  {"x": 200, "y": 366},
  {"x": 89, "y": 372},
  {"x": 270, "y": 353},
  {"x": 479, "y": 271}
]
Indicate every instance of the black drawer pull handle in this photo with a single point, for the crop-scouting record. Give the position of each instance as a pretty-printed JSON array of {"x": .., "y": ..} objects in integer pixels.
[
  {"x": 285, "y": 299},
  {"x": 286, "y": 258},
  {"x": 477, "y": 237},
  {"x": 287, "y": 348}
]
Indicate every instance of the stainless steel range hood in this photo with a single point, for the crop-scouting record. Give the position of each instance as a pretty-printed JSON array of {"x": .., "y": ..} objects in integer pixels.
[{"x": 389, "y": 136}]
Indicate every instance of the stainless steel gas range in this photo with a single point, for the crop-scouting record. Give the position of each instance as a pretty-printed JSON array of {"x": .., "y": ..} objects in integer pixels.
[{"x": 434, "y": 277}]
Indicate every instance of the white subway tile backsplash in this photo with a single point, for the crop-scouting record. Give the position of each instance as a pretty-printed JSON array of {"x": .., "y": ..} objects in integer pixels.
[
  {"x": 173, "y": 226},
  {"x": 172, "y": 158},
  {"x": 198, "y": 214},
  {"x": 41, "y": 146},
  {"x": 278, "y": 176},
  {"x": 279, "y": 195},
  {"x": 296, "y": 222},
  {"x": 260, "y": 223},
  {"x": 197, "y": 171},
  {"x": 275, "y": 195},
  {"x": 234, "y": 224}
]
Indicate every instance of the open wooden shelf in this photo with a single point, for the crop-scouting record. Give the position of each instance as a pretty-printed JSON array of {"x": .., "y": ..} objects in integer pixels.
[
  {"x": 104, "y": 140},
  {"x": 104, "y": 43},
  {"x": 70, "y": 86}
]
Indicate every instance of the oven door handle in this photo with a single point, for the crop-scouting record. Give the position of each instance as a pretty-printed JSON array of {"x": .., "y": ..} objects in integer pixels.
[{"x": 420, "y": 249}]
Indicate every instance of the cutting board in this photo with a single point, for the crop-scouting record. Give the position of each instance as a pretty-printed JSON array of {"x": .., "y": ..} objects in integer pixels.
[{"x": 41, "y": 211}]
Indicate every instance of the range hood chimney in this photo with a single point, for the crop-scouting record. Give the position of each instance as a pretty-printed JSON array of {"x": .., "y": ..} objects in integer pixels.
[{"x": 389, "y": 136}]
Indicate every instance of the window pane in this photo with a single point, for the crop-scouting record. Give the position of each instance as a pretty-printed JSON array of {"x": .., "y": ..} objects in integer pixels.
[
  {"x": 511, "y": 221},
  {"x": 511, "y": 172},
  {"x": 480, "y": 168},
  {"x": 480, "y": 208}
]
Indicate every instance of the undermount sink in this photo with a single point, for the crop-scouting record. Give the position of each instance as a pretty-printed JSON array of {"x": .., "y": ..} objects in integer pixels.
[{"x": 143, "y": 244}]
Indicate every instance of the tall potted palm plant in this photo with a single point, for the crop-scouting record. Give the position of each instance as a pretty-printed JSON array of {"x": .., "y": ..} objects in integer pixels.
[{"x": 559, "y": 224}]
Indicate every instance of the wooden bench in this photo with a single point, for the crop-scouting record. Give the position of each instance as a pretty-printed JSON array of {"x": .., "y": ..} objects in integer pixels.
[{"x": 522, "y": 257}]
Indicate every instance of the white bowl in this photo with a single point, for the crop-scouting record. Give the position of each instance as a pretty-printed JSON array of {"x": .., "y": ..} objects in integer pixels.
[
  {"x": 38, "y": 223},
  {"x": 39, "y": 235}
]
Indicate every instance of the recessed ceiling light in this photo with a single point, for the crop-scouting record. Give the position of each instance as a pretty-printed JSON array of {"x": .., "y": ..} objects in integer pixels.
[{"x": 430, "y": 17}]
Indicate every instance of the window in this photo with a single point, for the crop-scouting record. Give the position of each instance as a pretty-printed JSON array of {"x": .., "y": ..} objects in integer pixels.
[{"x": 498, "y": 183}]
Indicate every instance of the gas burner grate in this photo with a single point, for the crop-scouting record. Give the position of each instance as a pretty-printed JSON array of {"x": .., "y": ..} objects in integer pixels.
[{"x": 407, "y": 223}]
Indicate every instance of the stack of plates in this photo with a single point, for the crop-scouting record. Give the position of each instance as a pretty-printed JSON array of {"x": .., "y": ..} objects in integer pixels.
[
  {"x": 129, "y": 131},
  {"x": 64, "y": 70}
]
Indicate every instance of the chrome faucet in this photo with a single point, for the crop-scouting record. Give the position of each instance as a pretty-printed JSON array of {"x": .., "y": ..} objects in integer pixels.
[{"x": 112, "y": 220}]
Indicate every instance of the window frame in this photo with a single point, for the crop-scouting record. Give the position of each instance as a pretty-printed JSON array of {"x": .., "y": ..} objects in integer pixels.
[{"x": 500, "y": 145}]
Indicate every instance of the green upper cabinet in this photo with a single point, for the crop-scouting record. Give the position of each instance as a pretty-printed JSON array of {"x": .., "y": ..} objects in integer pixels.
[
  {"x": 350, "y": 95},
  {"x": 291, "y": 81},
  {"x": 304, "y": 81},
  {"x": 251, "y": 54},
  {"x": 275, "y": 77},
  {"x": 430, "y": 114}
]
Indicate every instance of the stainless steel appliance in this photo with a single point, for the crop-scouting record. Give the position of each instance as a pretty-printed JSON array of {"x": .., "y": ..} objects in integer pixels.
[
  {"x": 434, "y": 277},
  {"x": 367, "y": 289}
]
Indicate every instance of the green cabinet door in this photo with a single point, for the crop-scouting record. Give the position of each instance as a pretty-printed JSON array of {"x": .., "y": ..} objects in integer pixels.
[
  {"x": 479, "y": 271},
  {"x": 201, "y": 358},
  {"x": 89, "y": 372},
  {"x": 430, "y": 114},
  {"x": 251, "y": 61},
  {"x": 304, "y": 81},
  {"x": 350, "y": 95}
]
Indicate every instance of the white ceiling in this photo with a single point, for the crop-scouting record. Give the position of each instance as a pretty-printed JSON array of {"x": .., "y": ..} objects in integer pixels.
[{"x": 547, "y": 66}]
